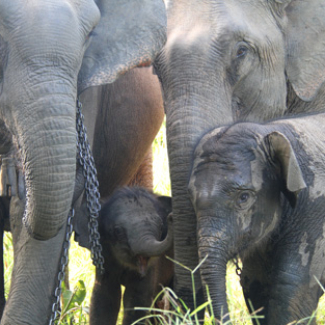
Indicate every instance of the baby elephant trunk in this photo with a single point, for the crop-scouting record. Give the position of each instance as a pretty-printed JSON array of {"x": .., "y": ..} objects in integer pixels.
[{"x": 152, "y": 247}]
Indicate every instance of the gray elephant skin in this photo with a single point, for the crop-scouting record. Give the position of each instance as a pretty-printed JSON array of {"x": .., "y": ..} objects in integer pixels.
[
  {"x": 50, "y": 52},
  {"x": 226, "y": 61},
  {"x": 135, "y": 236},
  {"x": 116, "y": 140},
  {"x": 258, "y": 191}
]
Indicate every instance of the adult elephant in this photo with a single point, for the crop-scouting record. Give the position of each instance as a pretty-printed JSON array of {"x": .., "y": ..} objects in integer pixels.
[
  {"x": 226, "y": 61},
  {"x": 51, "y": 51},
  {"x": 122, "y": 120}
]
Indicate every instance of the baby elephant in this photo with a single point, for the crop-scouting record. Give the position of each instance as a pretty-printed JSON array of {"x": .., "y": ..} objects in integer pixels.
[
  {"x": 136, "y": 236},
  {"x": 259, "y": 191}
]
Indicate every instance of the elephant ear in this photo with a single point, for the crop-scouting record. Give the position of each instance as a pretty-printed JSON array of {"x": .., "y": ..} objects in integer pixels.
[
  {"x": 305, "y": 43},
  {"x": 282, "y": 153},
  {"x": 130, "y": 33}
]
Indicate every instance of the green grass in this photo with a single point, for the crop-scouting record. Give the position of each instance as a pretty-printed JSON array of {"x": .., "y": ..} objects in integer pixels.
[{"x": 81, "y": 268}]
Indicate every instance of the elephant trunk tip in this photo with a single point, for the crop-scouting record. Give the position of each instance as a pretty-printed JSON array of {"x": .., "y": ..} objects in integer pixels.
[{"x": 153, "y": 247}]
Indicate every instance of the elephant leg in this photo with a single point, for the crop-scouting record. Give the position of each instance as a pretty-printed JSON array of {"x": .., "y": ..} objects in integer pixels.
[
  {"x": 2, "y": 286},
  {"x": 138, "y": 293},
  {"x": 105, "y": 300},
  {"x": 294, "y": 293},
  {"x": 293, "y": 302},
  {"x": 35, "y": 271},
  {"x": 255, "y": 281},
  {"x": 144, "y": 174}
]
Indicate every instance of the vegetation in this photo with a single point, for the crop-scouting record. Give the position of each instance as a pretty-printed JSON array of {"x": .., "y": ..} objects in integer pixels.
[{"x": 76, "y": 301}]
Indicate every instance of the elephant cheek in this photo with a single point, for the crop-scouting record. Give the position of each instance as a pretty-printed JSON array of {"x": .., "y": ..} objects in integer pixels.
[{"x": 244, "y": 221}]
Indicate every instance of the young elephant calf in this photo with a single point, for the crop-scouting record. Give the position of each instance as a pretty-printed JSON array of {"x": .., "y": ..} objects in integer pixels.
[
  {"x": 259, "y": 191},
  {"x": 135, "y": 236}
]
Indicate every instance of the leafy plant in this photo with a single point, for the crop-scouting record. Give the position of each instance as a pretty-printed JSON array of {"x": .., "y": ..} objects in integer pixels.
[
  {"x": 180, "y": 313},
  {"x": 72, "y": 305}
]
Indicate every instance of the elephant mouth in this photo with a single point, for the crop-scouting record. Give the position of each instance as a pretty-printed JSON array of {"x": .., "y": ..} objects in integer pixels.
[{"x": 142, "y": 264}]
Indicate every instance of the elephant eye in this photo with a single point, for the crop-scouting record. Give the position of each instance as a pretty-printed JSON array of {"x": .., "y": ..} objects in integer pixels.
[
  {"x": 245, "y": 199},
  {"x": 242, "y": 51},
  {"x": 118, "y": 232}
]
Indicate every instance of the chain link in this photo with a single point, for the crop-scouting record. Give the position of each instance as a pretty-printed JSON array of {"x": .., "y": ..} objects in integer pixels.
[
  {"x": 238, "y": 268},
  {"x": 63, "y": 263},
  {"x": 86, "y": 160}
]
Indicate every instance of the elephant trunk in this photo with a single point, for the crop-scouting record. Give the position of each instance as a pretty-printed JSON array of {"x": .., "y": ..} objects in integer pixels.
[
  {"x": 48, "y": 146},
  {"x": 189, "y": 116},
  {"x": 213, "y": 275},
  {"x": 214, "y": 245},
  {"x": 152, "y": 247}
]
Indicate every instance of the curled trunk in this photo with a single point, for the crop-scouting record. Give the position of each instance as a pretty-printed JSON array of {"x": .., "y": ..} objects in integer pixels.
[{"x": 152, "y": 247}]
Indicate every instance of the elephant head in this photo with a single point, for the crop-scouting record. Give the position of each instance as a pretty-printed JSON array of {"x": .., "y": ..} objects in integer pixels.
[
  {"x": 226, "y": 61},
  {"x": 133, "y": 226},
  {"x": 50, "y": 51},
  {"x": 236, "y": 188}
]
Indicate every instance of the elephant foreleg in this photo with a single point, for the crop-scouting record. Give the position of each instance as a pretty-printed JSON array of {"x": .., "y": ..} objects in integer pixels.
[
  {"x": 294, "y": 292},
  {"x": 138, "y": 293},
  {"x": 255, "y": 281},
  {"x": 105, "y": 300},
  {"x": 35, "y": 272}
]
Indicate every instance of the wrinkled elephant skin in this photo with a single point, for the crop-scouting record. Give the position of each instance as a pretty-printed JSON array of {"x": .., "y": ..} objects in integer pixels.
[
  {"x": 50, "y": 52},
  {"x": 231, "y": 60},
  {"x": 258, "y": 191}
]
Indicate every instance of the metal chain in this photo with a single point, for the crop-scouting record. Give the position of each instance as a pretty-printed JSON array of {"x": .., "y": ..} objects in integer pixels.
[
  {"x": 63, "y": 264},
  {"x": 87, "y": 162},
  {"x": 238, "y": 268}
]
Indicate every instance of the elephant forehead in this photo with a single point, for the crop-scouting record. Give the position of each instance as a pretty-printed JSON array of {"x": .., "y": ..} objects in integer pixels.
[
  {"x": 135, "y": 210},
  {"x": 188, "y": 15},
  {"x": 199, "y": 21},
  {"x": 230, "y": 149},
  {"x": 243, "y": 16}
]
